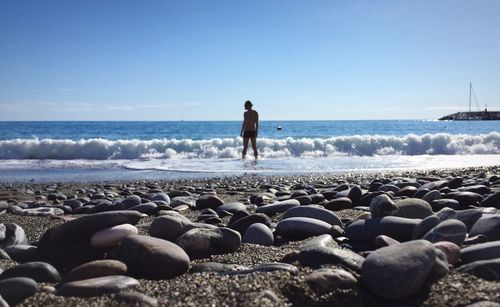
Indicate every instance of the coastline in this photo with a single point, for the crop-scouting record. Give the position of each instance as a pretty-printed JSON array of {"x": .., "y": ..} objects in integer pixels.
[
  {"x": 91, "y": 171},
  {"x": 277, "y": 288}
]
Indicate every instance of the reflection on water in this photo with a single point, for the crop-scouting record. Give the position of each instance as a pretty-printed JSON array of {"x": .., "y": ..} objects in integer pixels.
[{"x": 91, "y": 170}]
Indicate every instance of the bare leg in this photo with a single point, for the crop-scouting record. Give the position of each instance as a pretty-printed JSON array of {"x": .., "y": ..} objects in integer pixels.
[
  {"x": 245, "y": 147},
  {"x": 254, "y": 146}
]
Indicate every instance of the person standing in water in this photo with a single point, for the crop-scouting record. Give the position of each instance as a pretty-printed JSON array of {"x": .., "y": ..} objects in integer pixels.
[{"x": 250, "y": 129}]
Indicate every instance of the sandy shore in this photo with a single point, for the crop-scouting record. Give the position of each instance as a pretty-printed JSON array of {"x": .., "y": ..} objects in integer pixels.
[{"x": 286, "y": 288}]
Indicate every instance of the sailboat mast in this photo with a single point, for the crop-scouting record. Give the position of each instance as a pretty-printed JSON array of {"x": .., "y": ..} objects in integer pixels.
[{"x": 470, "y": 95}]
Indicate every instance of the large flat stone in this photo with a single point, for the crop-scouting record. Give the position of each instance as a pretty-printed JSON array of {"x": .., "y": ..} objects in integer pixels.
[
  {"x": 83, "y": 228},
  {"x": 97, "y": 286},
  {"x": 365, "y": 231},
  {"x": 152, "y": 258},
  {"x": 399, "y": 270}
]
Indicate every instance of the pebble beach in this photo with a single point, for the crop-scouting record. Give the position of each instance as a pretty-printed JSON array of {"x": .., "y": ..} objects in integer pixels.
[{"x": 413, "y": 238}]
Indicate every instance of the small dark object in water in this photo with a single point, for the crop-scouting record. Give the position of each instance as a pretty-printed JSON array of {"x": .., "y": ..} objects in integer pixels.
[{"x": 278, "y": 128}]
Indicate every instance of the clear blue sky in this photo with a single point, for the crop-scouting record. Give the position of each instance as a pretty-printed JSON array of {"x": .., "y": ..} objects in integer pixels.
[{"x": 200, "y": 60}]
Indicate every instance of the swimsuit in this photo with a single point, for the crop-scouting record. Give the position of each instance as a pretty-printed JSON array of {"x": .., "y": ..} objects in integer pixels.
[{"x": 249, "y": 134}]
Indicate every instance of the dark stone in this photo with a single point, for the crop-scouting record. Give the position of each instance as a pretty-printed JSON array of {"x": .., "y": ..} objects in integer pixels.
[
  {"x": 201, "y": 242},
  {"x": 431, "y": 196},
  {"x": 469, "y": 217},
  {"x": 382, "y": 205},
  {"x": 146, "y": 208},
  {"x": 83, "y": 228},
  {"x": 208, "y": 201},
  {"x": 304, "y": 200},
  {"x": 159, "y": 197},
  {"x": 342, "y": 187},
  {"x": 102, "y": 206},
  {"x": 65, "y": 209},
  {"x": 433, "y": 185},
  {"x": 241, "y": 225},
  {"x": 407, "y": 191},
  {"x": 73, "y": 203},
  {"x": 316, "y": 198},
  {"x": 488, "y": 225},
  {"x": 259, "y": 233},
  {"x": 83, "y": 209},
  {"x": 262, "y": 199},
  {"x": 236, "y": 216},
  {"x": 449, "y": 230},
  {"x": 355, "y": 194},
  {"x": 466, "y": 198},
  {"x": 129, "y": 202},
  {"x": 477, "y": 188},
  {"x": 367, "y": 198},
  {"x": 400, "y": 270},
  {"x": 16, "y": 289},
  {"x": 329, "y": 194},
  {"x": 365, "y": 231},
  {"x": 492, "y": 200},
  {"x": 23, "y": 253},
  {"x": 389, "y": 188},
  {"x": 301, "y": 227},
  {"x": 485, "y": 269},
  {"x": 277, "y": 207},
  {"x": 482, "y": 251},
  {"x": 445, "y": 190},
  {"x": 383, "y": 241},
  {"x": 213, "y": 220},
  {"x": 446, "y": 214},
  {"x": 455, "y": 183},
  {"x": 424, "y": 226},
  {"x": 38, "y": 271},
  {"x": 414, "y": 208},
  {"x": 339, "y": 204},
  {"x": 174, "y": 194},
  {"x": 178, "y": 201},
  {"x": 56, "y": 196},
  {"x": 420, "y": 193},
  {"x": 298, "y": 193},
  {"x": 171, "y": 227},
  {"x": 152, "y": 258},
  {"x": 282, "y": 194},
  {"x": 439, "y": 204},
  {"x": 314, "y": 211},
  {"x": 231, "y": 207},
  {"x": 374, "y": 186},
  {"x": 67, "y": 255},
  {"x": 93, "y": 269}
]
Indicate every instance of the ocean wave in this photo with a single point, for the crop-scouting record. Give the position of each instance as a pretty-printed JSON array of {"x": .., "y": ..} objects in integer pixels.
[{"x": 221, "y": 148}]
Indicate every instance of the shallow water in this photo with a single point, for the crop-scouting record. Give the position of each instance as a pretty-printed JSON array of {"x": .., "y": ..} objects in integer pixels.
[{"x": 95, "y": 151}]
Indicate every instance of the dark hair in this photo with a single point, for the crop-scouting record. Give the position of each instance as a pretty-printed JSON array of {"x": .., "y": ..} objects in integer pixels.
[{"x": 248, "y": 102}]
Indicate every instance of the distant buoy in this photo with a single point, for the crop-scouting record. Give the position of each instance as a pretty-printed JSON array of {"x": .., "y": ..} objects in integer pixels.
[{"x": 278, "y": 128}]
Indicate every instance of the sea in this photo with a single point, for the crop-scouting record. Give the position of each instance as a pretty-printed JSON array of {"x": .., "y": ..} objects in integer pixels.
[{"x": 71, "y": 151}]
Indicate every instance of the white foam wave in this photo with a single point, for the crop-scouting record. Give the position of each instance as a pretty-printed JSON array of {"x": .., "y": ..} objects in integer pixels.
[{"x": 230, "y": 148}]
